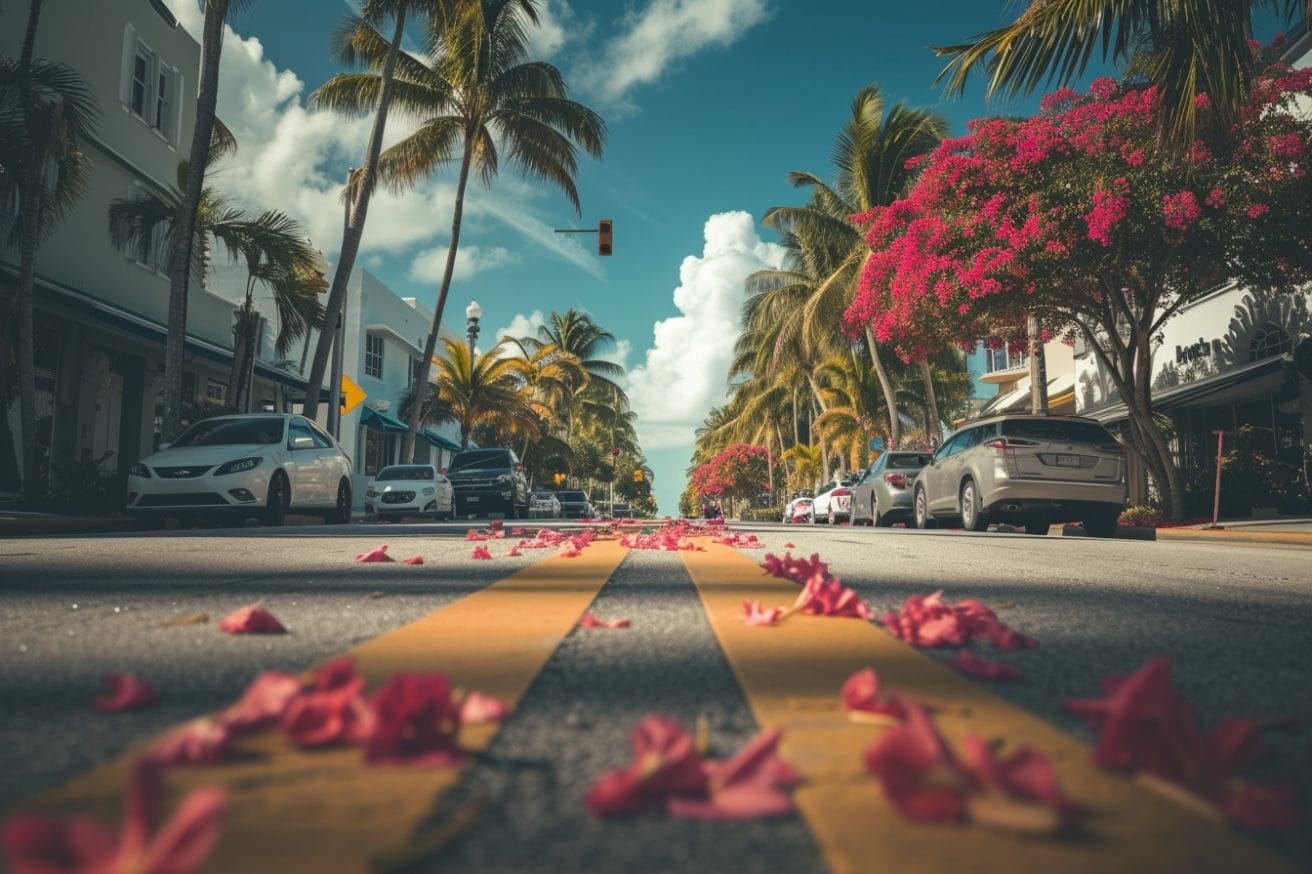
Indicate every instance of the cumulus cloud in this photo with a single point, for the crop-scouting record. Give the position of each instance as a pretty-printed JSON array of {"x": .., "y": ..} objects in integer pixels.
[
  {"x": 557, "y": 26},
  {"x": 683, "y": 373},
  {"x": 664, "y": 32},
  {"x": 522, "y": 325},
  {"x": 429, "y": 264}
]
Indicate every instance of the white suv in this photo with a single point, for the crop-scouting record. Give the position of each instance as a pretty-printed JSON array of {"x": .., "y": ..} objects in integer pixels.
[{"x": 1029, "y": 470}]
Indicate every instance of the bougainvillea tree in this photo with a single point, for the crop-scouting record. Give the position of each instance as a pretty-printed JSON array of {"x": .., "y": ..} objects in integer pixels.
[
  {"x": 739, "y": 472},
  {"x": 1075, "y": 215}
]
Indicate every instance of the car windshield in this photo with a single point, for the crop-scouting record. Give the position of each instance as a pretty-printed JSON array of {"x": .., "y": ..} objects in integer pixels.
[
  {"x": 910, "y": 461},
  {"x": 233, "y": 432},
  {"x": 542, "y": 496},
  {"x": 572, "y": 496},
  {"x": 415, "y": 471},
  {"x": 1057, "y": 431},
  {"x": 801, "y": 502},
  {"x": 471, "y": 460}
]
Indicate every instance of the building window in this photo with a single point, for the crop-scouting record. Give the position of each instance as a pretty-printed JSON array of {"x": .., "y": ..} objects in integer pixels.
[
  {"x": 215, "y": 390},
  {"x": 150, "y": 88},
  {"x": 1268, "y": 341},
  {"x": 142, "y": 62},
  {"x": 1000, "y": 359},
  {"x": 373, "y": 356}
]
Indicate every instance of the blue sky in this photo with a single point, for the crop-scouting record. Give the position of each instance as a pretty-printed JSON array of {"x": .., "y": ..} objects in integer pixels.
[{"x": 709, "y": 104}]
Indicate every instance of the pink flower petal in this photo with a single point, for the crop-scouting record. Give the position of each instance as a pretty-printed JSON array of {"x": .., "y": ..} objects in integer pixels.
[
  {"x": 199, "y": 742},
  {"x": 378, "y": 554},
  {"x": 45, "y": 845},
  {"x": 590, "y": 621},
  {"x": 415, "y": 723},
  {"x": 125, "y": 692},
  {"x": 263, "y": 702},
  {"x": 251, "y": 620},
  {"x": 863, "y": 693},
  {"x": 414, "y": 560},
  {"x": 754, "y": 614},
  {"x": 473, "y": 536},
  {"x": 514, "y": 552},
  {"x": 972, "y": 665},
  {"x": 920, "y": 775},
  {"x": 753, "y": 784},
  {"x": 478, "y": 708},
  {"x": 481, "y": 553}
]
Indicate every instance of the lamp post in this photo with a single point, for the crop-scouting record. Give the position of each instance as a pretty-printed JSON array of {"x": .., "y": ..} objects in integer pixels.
[{"x": 473, "y": 313}]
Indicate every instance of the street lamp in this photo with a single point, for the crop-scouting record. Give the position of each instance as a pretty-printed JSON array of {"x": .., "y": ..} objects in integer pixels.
[{"x": 473, "y": 312}]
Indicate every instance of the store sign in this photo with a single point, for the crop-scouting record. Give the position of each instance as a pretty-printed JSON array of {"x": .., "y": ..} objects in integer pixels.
[{"x": 1194, "y": 351}]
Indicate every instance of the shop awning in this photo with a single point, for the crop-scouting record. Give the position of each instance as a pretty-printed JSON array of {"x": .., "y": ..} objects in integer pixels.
[
  {"x": 438, "y": 440},
  {"x": 1256, "y": 379},
  {"x": 1061, "y": 393},
  {"x": 371, "y": 418}
]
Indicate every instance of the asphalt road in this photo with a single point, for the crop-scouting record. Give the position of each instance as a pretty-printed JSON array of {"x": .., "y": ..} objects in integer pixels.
[{"x": 1233, "y": 618}]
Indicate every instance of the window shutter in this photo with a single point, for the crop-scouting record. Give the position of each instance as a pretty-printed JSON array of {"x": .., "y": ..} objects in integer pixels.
[
  {"x": 125, "y": 72},
  {"x": 175, "y": 107}
]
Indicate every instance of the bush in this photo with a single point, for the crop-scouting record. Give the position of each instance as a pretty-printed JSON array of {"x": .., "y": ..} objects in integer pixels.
[
  {"x": 760, "y": 514},
  {"x": 1140, "y": 516}
]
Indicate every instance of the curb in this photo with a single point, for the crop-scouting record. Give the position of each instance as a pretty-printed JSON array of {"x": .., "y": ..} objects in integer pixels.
[
  {"x": 1123, "y": 532},
  {"x": 20, "y": 527},
  {"x": 1236, "y": 535}
]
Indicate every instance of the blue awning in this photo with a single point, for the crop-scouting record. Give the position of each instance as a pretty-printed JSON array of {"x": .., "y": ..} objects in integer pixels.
[
  {"x": 438, "y": 440},
  {"x": 371, "y": 418}
]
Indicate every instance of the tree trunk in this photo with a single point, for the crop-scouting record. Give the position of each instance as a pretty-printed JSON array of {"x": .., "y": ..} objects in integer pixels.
[
  {"x": 1038, "y": 368},
  {"x": 885, "y": 386},
  {"x": 184, "y": 225},
  {"x": 244, "y": 335},
  {"x": 426, "y": 365},
  {"x": 353, "y": 229},
  {"x": 933, "y": 424}
]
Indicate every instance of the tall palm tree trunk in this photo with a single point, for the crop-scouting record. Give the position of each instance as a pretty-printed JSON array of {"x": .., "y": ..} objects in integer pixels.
[
  {"x": 33, "y": 204},
  {"x": 426, "y": 364},
  {"x": 353, "y": 228},
  {"x": 933, "y": 425},
  {"x": 184, "y": 226},
  {"x": 245, "y": 339},
  {"x": 885, "y": 386}
]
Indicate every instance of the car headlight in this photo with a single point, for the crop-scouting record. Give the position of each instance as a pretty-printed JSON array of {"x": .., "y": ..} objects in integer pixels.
[
  {"x": 506, "y": 478},
  {"x": 140, "y": 470},
  {"x": 239, "y": 465},
  {"x": 430, "y": 491}
]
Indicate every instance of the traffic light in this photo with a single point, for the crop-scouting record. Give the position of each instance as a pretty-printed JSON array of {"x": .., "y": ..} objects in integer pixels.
[
  {"x": 603, "y": 237},
  {"x": 637, "y": 476},
  {"x": 558, "y": 478}
]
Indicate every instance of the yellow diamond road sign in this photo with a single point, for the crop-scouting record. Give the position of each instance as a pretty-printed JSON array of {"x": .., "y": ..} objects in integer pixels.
[{"x": 352, "y": 395}]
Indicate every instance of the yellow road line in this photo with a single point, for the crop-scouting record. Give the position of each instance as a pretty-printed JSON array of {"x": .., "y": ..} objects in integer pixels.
[
  {"x": 792, "y": 675},
  {"x": 294, "y": 811}
]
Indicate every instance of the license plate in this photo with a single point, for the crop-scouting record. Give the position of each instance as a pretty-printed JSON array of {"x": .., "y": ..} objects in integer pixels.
[
  {"x": 472, "y": 499},
  {"x": 1068, "y": 461}
]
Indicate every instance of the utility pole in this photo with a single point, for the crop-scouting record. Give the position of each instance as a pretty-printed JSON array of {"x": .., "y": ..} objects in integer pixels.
[{"x": 1038, "y": 368}]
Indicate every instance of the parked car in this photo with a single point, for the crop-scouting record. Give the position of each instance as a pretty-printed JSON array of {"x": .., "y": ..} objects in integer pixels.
[
  {"x": 410, "y": 490},
  {"x": 488, "y": 481},
  {"x": 575, "y": 505},
  {"x": 544, "y": 505},
  {"x": 258, "y": 465},
  {"x": 620, "y": 510},
  {"x": 1027, "y": 470},
  {"x": 883, "y": 493},
  {"x": 834, "y": 503},
  {"x": 798, "y": 510}
]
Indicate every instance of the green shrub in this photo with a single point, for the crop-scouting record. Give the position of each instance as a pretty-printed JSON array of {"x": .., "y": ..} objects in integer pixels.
[{"x": 1142, "y": 515}]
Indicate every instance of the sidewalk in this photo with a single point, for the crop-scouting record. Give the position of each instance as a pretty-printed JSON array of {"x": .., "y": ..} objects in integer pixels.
[
  {"x": 1295, "y": 531},
  {"x": 20, "y": 523}
]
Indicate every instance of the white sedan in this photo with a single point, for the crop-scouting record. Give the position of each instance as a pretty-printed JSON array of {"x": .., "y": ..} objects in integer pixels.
[
  {"x": 544, "y": 505},
  {"x": 410, "y": 490},
  {"x": 249, "y": 465},
  {"x": 798, "y": 511}
]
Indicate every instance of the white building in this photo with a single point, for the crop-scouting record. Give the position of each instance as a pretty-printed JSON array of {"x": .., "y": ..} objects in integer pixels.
[{"x": 101, "y": 314}]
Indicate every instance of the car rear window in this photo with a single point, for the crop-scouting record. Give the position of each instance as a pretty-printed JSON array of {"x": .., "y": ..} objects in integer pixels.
[
  {"x": 472, "y": 460},
  {"x": 233, "y": 432},
  {"x": 421, "y": 472},
  {"x": 571, "y": 496},
  {"x": 913, "y": 461},
  {"x": 1055, "y": 430}
]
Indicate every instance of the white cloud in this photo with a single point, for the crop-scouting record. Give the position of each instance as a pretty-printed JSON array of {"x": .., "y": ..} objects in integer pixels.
[
  {"x": 557, "y": 26},
  {"x": 429, "y": 264},
  {"x": 683, "y": 374},
  {"x": 522, "y": 325},
  {"x": 666, "y": 31}
]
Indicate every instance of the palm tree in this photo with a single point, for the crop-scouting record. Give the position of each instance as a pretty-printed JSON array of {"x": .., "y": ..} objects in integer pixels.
[
  {"x": 575, "y": 333},
  {"x": 550, "y": 374},
  {"x": 362, "y": 184},
  {"x": 870, "y": 155},
  {"x": 1185, "y": 47},
  {"x": 476, "y": 99},
  {"x": 485, "y": 391},
  {"x": 854, "y": 407},
  {"x": 271, "y": 245},
  {"x": 180, "y": 250},
  {"x": 46, "y": 111}
]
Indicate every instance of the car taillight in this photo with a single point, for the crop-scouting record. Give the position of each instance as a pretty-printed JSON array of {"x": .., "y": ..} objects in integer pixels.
[
  {"x": 896, "y": 480},
  {"x": 841, "y": 493},
  {"x": 1007, "y": 449},
  {"x": 1111, "y": 447}
]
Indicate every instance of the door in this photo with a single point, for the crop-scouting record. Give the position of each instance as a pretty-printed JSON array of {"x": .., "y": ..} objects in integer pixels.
[
  {"x": 305, "y": 468},
  {"x": 332, "y": 461},
  {"x": 936, "y": 476}
]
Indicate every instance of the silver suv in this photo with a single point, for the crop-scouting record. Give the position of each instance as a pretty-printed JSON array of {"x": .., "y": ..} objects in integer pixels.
[{"x": 1027, "y": 470}]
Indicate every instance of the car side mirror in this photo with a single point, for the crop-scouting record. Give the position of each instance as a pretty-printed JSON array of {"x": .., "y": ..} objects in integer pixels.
[{"x": 302, "y": 443}]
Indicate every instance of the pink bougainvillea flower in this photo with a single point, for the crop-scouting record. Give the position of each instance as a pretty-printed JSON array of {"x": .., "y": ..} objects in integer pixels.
[
  {"x": 416, "y": 720},
  {"x": 514, "y": 552},
  {"x": 590, "y": 621},
  {"x": 494, "y": 524},
  {"x": 332, "y": 712},
  {"x": 414, "y": 560},
  {"x": 789, "y": 546},
  {"x": 665, "y": 764},
  {"x": 44, "y": 845},
  {"x": 825, "y": 595},
  {"x": 753, "y": 784},
  {"x": 972, "y": 665},
  {"x": 199, "y": 742},
  {"x": 473, "y": 536},
  {"x": 481, "y": 553},
  {"x": 477, "y": 708},
  {"x": 263, "y": 703},
  {"x": 376, "y": 554},
  {"x": 252, "y": 620},
  {"x": 125, "y": 692},
  {"x": 569, "y": 549},
  {"x": 516, "y": 532},
  {"x": 863, "y": 693},
  {"x": 928, "y": 621},
  {"x": 1020, "y": 791},
  {"x": 755, "y": 614},
  {"x": 920, "y": 775},
  {"x": 799, "y": 570}
]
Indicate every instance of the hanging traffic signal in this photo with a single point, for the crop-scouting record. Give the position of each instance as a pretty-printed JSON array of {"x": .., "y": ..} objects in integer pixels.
[
  {"x": 637, "y": 476},
  {"x": 558, "y": 478},
  {"x": 604, "y": 237}
]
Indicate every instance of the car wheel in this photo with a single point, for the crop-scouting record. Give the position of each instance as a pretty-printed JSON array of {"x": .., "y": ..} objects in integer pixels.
[
  {"x": 341, "y": 513},
  {"x": 1102, "y": 525},
  {"x": 876, "y": 520},
  {"x": 1037, "y": 525},
  {"x": 972, "y": 514},
  {"x": 923, "y": 519},
  {"x": 275, "y": 507}
]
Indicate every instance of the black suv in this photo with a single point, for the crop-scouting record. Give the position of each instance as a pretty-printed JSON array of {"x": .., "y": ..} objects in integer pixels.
[
  {"x": 575, "y": 505},
  {"x": 487, "y": 481}
]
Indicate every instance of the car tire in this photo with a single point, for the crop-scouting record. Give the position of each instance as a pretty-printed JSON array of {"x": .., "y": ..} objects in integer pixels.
[
  {"x": 1037, "y": 525},
  {"x": 1102, "y": 525},
  {"x": 341, "y": 511},
  {"x": 275, "y": 505},
  {"x": 973, "y": 517},
  {"x": 923, "y": 519},
  {"x": 876, "y": 520}
]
